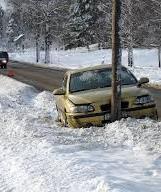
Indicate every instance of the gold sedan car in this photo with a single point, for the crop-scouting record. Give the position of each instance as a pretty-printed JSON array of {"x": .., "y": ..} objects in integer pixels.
[{"x": 85, "y": 97}]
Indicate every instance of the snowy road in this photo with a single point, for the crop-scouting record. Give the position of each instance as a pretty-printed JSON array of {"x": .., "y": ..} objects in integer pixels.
[{"x": 38, "y": 155}]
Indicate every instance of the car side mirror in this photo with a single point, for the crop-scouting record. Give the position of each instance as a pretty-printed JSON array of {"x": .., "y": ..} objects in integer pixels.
[
  {"x": 143, "y": 80},
  {"x": 59, "y": 91}
]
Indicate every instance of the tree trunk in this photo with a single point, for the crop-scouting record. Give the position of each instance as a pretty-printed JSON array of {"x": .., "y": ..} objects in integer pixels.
[
  {"x": 130, "y": 32},
  {"x": 130, "y": 56},
  {"x": 159, "y": 59},
  {"x": 116, "y": 60},
  {"x": 37, "y": 49},
  {"x": 47, "y": 45},
  {"x": 47, "y": 51}
]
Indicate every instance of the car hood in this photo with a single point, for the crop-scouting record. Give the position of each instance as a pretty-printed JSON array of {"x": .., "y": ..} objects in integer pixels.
[{"x": 102, "y": 95}]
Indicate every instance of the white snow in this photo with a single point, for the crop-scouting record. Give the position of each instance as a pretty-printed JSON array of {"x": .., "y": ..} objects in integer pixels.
[
  {"x": 37, "y": 155},
  {"x": 145, "y": 60},
  {"x": 3, "y": 4}
]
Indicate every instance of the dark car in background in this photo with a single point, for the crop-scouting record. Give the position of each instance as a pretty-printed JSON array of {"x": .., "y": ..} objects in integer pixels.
[{"x": 4, "y": 58}]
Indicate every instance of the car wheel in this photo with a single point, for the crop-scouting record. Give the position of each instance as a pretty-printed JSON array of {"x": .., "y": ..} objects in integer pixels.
[
  {"x": 5, "y": 66},
  {"x": 58, "y": 115},
  {"x": 64, "y": 119},
  {"x": 156, "y": 118}
]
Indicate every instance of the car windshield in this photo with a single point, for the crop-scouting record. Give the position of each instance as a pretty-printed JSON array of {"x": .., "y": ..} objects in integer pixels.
[
  {"x": 99, "y": 78},
  {"x": 4, "y": 54}
]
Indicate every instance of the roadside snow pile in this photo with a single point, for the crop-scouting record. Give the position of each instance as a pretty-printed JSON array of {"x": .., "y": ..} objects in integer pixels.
[
  {"x": 38, "y": 155},
  {"x": 44, "y": 100},
  {"x": 131, "y": 133},
  {"x": 135, "y": 134},
  {"x": 18, "y": 94}
]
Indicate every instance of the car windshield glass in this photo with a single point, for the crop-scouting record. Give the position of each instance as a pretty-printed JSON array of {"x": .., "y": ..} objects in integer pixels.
[
  {"x": 99, "y": 78},
  {"x": 4, "y": 55}
]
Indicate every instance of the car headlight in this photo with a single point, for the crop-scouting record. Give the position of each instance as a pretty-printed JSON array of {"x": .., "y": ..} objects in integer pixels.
[
  {"x": 4, "y": 61},
  {"x": 144, "y": 99},
  {"x": 82, "y": 108}
]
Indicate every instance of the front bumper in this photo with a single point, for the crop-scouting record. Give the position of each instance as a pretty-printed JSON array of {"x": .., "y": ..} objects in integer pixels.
[{"x": 100, "y": 118}]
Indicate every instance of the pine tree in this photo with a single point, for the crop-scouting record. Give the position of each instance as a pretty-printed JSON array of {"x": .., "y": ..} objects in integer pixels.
[{"x": 83, "y": 22}]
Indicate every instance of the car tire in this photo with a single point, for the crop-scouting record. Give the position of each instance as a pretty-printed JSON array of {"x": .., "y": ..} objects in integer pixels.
[
  {"x": 64, "y": 119},
  {"x": 58, "y": 116},
  {"x": 156, "y": 116}
]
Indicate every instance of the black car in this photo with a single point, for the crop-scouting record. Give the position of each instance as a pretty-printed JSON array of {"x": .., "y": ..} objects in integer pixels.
[{"x": 4, "y": 58}]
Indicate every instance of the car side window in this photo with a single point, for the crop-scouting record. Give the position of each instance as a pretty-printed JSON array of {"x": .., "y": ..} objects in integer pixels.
[{"x": 64, "y": 84}]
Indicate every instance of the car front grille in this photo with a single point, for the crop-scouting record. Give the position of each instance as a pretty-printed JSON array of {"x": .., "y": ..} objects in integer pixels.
[
  {"x": 124, "y": 104},
  {"x": 107, "y": 107}
]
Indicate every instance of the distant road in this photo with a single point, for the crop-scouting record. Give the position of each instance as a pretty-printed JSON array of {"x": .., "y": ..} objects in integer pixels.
[
  {"x": 49, "y": 79},
  {"x": 42, "y": 78}
]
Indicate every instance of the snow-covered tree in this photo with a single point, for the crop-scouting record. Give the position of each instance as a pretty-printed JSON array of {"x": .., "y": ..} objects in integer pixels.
[
  {"x": 11, "y": 31},
  {"x": 1, "y": 21},
  {"x": 45, "y": 18},
  {"x": 83, "y": 22}
]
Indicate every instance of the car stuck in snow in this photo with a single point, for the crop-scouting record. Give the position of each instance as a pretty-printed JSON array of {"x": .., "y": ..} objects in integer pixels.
[{"x": 85, "y": 97}]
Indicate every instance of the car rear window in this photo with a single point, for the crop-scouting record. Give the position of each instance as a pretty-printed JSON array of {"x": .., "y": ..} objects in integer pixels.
[{"x": 4, "y": 55}]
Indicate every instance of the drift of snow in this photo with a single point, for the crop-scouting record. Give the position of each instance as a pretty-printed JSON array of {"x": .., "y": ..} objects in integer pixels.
[{"x": 39, "y": 155}]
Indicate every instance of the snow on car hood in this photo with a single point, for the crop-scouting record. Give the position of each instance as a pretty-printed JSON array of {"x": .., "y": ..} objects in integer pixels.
[{"x": 102, "y": 95}]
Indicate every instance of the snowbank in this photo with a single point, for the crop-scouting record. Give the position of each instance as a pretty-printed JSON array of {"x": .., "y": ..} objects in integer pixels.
[{"x": 39, "y": 155}]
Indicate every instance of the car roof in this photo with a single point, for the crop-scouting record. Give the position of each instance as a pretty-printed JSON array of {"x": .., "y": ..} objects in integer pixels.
[{"x": 89, "y": 68}]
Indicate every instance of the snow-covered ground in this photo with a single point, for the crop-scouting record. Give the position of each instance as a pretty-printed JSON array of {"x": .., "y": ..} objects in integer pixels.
[
  {"x": 145, "y": 60},
  {"x": 39, "y": 156}
]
